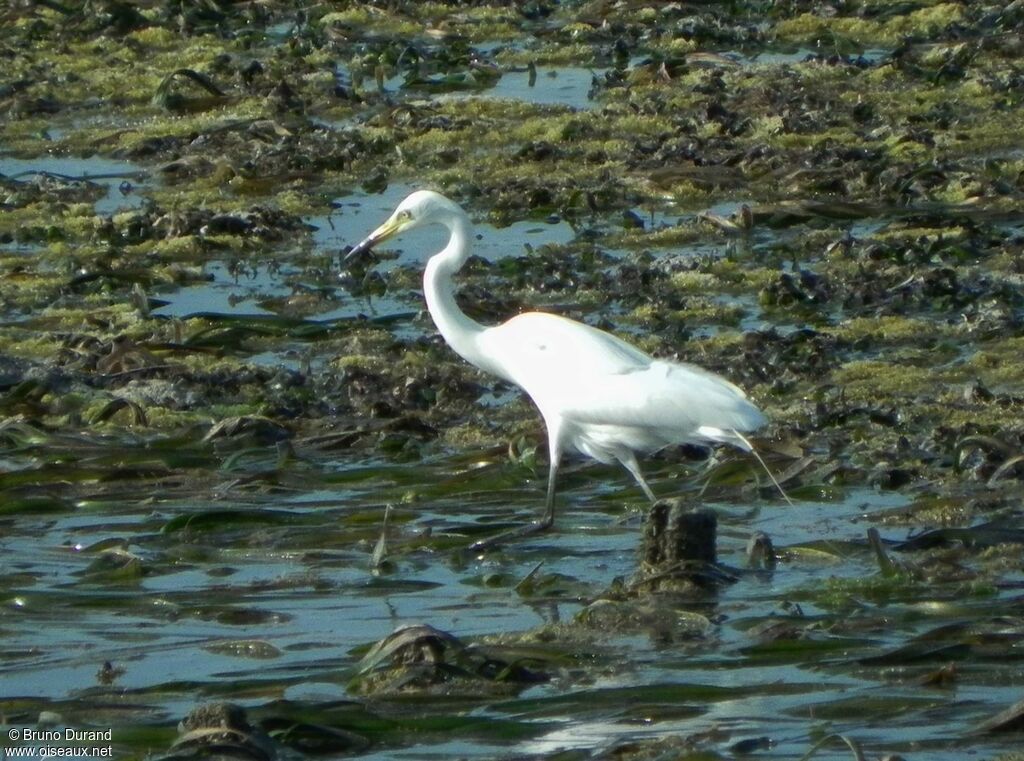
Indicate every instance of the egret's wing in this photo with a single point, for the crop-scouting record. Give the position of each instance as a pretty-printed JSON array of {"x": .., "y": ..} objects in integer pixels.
[
  {"x": 594, "y": 379},
  {"x": 547, "y": 355},
  {"x": 674, "y": 401},
  {"x": 590, "y": 377}
]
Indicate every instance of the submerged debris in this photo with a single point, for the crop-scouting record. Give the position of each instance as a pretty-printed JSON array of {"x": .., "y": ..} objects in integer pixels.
[
  {"x": 222, "y": 730},
  {"x": 420, "y": 658}
]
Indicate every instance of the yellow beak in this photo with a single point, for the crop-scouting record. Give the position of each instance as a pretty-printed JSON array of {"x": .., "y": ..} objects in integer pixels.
[{"x": 392, "y": 226}]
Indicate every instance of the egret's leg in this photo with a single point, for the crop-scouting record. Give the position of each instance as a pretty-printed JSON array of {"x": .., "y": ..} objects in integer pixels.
[
  {"x": 628, "y": 460},
  {"x": 548, "y": 519},
  {"x": 549, "y": 505}
]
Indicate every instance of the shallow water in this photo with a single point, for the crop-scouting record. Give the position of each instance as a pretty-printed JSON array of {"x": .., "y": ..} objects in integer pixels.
[
  {"x": 244, "y": 290},
  {"x": 225, "y": 292},
  {"x": 358, "y": 214},
  {"x": 282, "y": 607},
  {"x": 125, "y": 182},
  {"x": 553, "y": 86}
]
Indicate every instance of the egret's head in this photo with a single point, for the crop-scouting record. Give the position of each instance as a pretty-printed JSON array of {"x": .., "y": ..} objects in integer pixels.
[{"x": 420, "y": 208}]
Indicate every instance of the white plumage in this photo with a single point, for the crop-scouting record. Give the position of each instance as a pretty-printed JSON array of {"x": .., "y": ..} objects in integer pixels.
[{"x": 598, "y": 394}]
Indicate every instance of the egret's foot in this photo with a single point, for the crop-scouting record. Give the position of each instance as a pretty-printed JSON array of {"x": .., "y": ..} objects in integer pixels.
[{"x": 536, "y": 527}]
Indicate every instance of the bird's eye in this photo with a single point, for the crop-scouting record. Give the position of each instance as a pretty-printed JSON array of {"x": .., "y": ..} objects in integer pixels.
[{"x": 405, "y": 215}]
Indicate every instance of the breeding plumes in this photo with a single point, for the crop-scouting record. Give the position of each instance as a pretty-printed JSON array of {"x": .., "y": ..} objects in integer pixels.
[{"x": 598, "y": 395}]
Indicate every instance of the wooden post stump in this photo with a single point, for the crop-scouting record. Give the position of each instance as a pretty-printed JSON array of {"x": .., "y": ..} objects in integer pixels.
[
  {"x": 678, "y": 552},
  {"x": 677, "y": 533}
]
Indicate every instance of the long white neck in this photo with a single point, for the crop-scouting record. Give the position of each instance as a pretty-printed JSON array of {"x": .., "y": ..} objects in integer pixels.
[{"x": 459, "y": 330}]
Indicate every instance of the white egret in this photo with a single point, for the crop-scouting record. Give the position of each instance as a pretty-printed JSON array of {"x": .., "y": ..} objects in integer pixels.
[{"x": 598, "y": 395}]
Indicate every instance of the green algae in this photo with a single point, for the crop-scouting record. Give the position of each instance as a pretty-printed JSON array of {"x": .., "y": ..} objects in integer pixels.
[
  {"x": 20, "y": 343},
  {"x": 479, "y": 23},
  {"x": 890, "y": 329},
  {"x": 925, "y": 22},
  {"x": 849, "y": 594}
]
